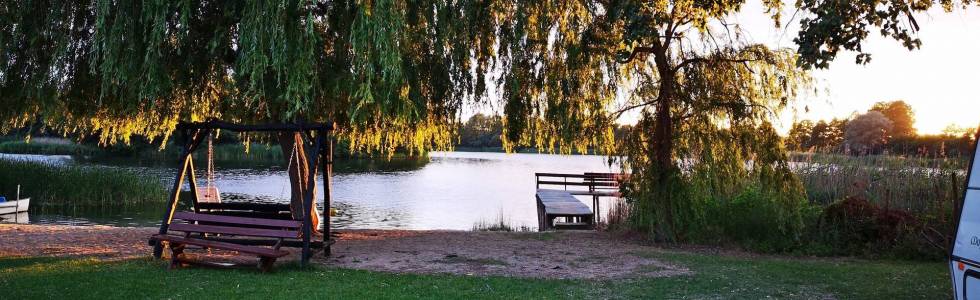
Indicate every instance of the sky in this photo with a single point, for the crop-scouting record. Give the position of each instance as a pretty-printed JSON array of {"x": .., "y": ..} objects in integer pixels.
[{"x": 941, "y": 80}]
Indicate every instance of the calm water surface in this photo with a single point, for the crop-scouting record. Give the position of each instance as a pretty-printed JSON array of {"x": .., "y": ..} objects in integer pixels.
[{"x": 454, "y": 190}]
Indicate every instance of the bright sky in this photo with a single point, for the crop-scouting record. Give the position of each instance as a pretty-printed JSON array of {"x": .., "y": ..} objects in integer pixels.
[{"x": 940, "y": 80}]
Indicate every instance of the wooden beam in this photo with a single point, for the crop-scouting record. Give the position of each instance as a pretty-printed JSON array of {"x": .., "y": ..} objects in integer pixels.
[
  {"x": 217, "y": 124},
  {"x": 327, "y": 164},
  {"x": 190, "y": 144},
  {"x": 308, "y": 202},
  {"x": 174, "y": 196},
  {"x": 193, "y": 182}
]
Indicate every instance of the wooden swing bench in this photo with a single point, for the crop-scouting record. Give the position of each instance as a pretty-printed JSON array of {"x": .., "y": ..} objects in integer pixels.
[
  {"x": 242, "y": 227},
  {"x": 195, "y": 228}
]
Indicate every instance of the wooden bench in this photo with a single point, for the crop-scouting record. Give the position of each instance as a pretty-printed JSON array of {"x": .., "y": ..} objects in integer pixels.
[
  {"x": 553, "y": 204},
  {"x": 195, "y": 228}
]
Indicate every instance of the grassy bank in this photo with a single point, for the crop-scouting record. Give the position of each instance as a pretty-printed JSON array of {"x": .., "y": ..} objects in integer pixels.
[
  {"x": 52, "y": 185},
  {"x": 713, "y": 276},
  {"x": 45, "y": 148}
]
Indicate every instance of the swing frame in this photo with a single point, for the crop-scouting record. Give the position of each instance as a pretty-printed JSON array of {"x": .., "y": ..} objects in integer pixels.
[{"x": 193, "y": 133}]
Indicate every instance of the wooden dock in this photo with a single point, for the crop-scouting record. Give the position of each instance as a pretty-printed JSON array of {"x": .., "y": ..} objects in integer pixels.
[
  {"x": 553, "y": 204},
  {"x": 561, "y": 203}
]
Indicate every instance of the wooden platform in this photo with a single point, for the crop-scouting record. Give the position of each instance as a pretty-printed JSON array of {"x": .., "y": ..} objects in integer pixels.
[{"x": 554, "y": 204}]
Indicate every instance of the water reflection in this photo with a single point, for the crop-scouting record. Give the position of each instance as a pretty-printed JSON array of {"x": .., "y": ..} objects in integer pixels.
[{"x": 452, "y": 190}]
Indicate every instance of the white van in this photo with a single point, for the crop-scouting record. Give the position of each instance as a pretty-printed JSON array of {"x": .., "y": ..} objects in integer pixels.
[{"x": 964, "y": 260}]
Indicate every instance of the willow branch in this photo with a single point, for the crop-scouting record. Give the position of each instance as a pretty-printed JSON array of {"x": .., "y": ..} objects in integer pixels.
[
  {"x": 695, "y": 60},
  {"x": 620, "y": 112}
]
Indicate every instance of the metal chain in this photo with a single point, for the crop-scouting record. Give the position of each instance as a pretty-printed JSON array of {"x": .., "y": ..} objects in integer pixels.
[{"x": 210, "y": 164}]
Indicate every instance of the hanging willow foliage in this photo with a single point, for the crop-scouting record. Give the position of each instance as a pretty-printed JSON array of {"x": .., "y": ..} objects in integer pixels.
[{"x": 389, "y": 72}]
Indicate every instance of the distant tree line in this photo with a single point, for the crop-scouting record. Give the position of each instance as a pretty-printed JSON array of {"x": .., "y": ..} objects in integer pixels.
[
  {"x": 483, "y": 132},
  {"x": 886, "y": 128}
]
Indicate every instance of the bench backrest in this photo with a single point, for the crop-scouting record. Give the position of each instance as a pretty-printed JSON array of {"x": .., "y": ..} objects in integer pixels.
[
  {"x": 206, "y": 223},
  {"x": 592, "y": 181}
]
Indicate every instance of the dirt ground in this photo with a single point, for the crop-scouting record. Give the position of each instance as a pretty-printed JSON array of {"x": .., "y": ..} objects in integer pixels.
[{"x": 571, "y": 254}]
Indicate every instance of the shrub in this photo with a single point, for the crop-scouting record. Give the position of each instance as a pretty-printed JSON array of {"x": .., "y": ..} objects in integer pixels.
[
  {"x": 760, "y": 220},
  {"x": 855, "y": 226}
]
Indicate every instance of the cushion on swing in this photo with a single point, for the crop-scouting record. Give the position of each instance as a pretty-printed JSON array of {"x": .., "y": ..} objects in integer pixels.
[
  {"x": 3, "y": 199},
  {"x": 208, "y": 194}
]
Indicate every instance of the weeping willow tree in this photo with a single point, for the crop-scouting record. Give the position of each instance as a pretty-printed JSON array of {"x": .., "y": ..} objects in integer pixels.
[
  {"x": 703, "y": 143},
  {"x": 703, "y": 100},
  {"x": 390, "y": 73}
]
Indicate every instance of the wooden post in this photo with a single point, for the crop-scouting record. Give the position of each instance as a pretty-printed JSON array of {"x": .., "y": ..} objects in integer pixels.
[
  {"x": 189, "y": 146},
  {"x": 193, "y": 182},
  {"x": 327, "y": 181},
  {"x": 308, "y": 202},
  {"x": 174, "y": 195}
]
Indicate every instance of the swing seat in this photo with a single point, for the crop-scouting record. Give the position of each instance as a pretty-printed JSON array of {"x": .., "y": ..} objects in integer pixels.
[{"x": 208, "y": 195}]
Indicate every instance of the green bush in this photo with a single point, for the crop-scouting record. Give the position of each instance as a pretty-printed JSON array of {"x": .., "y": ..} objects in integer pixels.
[
  {"x": 857, "y": 227},
  {"x": 761, "y": 220}
]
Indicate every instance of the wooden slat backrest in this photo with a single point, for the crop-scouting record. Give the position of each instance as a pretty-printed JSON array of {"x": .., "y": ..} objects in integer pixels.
[
  {"x": 244, "y": 206},
  {"x": 578, "y": 183},
  {"x": 273, "y": 233},
  {"x": 189, "y": 216},
  {"x": 593, "y": 181}
]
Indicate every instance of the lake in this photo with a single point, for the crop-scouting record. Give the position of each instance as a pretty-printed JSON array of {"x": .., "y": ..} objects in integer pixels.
[{"x": 452, "y": 190}]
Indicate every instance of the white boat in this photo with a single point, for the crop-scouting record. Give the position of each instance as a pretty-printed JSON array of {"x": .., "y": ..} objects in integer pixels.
[
  {"x": 21, "y": 218},
  {"x": 11, "y": 207}
]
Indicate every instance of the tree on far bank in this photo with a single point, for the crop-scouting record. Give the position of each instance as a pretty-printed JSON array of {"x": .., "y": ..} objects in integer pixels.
[
  {"x": 481, "y": 131},
  {"x": 828, "y": 136},
  {"x": 867, "y": 133},
  {"x": 798, "y": 137},
  {"x": 901, "y": 115}
]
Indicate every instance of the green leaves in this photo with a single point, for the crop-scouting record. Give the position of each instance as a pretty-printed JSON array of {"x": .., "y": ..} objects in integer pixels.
[{"x": 830, "y": 26}]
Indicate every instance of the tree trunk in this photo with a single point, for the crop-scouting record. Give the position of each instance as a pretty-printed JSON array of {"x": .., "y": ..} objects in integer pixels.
[
  {"x": 663, "y": 143},
  {"x": 299, "y": 172}
]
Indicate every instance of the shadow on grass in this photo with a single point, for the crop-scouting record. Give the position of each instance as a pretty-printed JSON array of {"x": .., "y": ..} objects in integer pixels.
[
  {"x": 68, "y": 278},
  {"x": 715, "y": 276}
]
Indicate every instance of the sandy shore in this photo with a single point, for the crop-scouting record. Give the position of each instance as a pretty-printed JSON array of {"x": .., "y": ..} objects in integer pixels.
[{"x": 584, "y": 254}]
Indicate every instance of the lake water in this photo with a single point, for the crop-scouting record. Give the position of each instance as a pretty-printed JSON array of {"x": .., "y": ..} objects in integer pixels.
[{"x": 453, "y": 190}]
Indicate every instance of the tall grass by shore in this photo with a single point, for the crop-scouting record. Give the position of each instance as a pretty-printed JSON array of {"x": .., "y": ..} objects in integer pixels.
[
  {"x": 53, "y": 185},
  {"x": 500, "y": 223},
  {"x": 914, "y": 184},
  {"x": 43, "y": 148}
]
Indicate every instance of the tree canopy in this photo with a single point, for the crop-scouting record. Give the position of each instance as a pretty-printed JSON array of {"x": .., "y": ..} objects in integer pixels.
[
  {"x": 396, "y": 73},
  {"x": 867, "y": 133},
  {"x": 389, "y": 72},
  {"x": 901, "y": 116}
]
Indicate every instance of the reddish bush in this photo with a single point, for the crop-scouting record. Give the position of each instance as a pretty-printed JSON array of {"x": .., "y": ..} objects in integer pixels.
[{"x": 857, "y": 226}]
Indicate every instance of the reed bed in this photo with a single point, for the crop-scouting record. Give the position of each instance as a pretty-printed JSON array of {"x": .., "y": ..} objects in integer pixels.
[
  {"x": 77, "y": 186},
  {"x": 500, "y": 223},
  {"x": 914, "y": 184},
  {"x": 22, "y": 147}
]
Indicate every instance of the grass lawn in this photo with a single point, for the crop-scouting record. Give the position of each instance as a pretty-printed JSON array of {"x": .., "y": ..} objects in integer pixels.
[{"x": 715, "y": 277}]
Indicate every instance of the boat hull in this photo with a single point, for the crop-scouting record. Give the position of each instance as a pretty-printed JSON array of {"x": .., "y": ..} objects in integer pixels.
[
  {"x": 21, "y": 218},
  {"x": 14, "y": 207}
]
